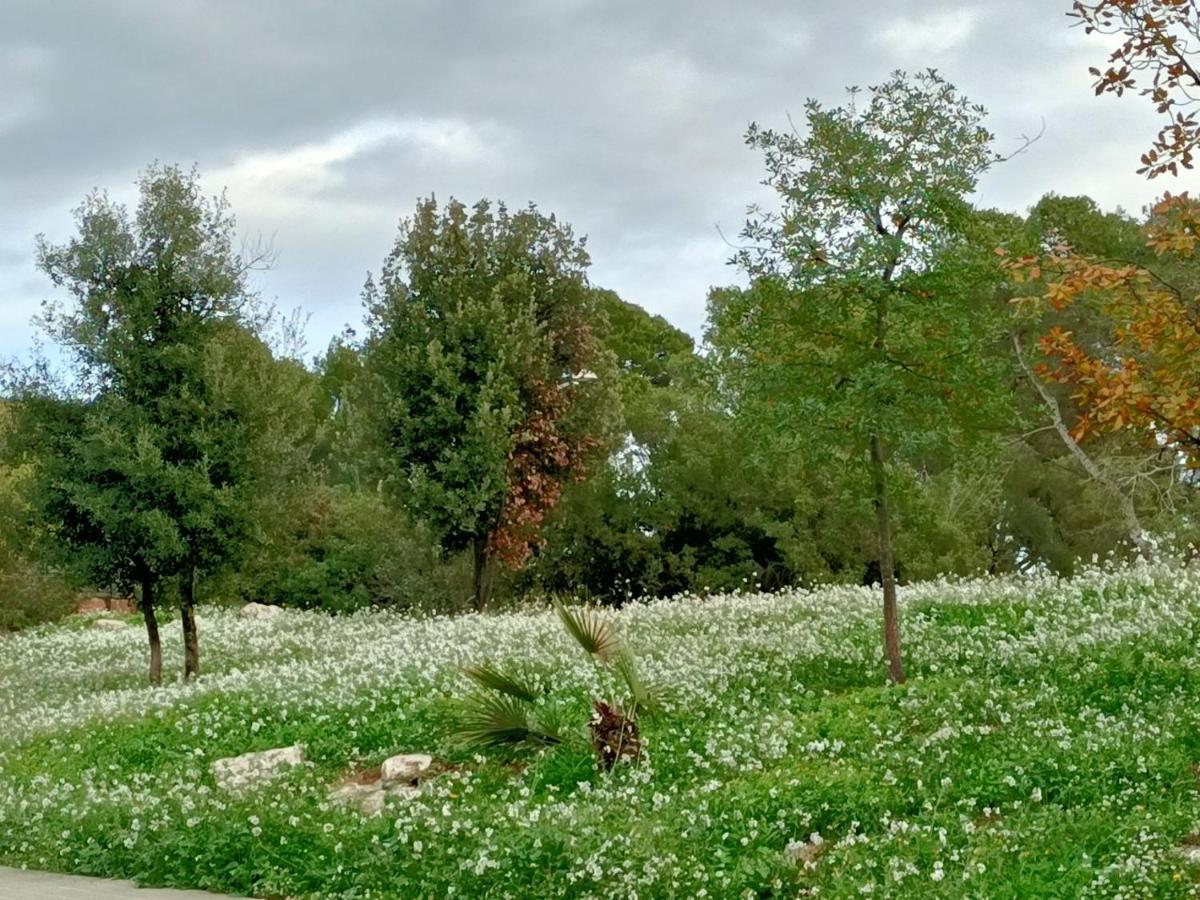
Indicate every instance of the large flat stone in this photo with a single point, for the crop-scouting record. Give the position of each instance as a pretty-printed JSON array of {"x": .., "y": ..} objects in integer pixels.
[{"x": 251, "y": 770}]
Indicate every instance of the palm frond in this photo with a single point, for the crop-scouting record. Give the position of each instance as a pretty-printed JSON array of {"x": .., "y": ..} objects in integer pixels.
[
  {"x": 493, "y": 679},
  {"x": 593, "y": 633},
  {"x": 552, "y": 726},
  {"x": 492, "y": 720},
  {"x": 646, "y": 698}
]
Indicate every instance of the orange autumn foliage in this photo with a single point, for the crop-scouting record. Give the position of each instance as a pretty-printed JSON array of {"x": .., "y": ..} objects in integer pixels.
[
  {"x": 1146, "y": 376},
  {"x": 1161, "y": 39}
]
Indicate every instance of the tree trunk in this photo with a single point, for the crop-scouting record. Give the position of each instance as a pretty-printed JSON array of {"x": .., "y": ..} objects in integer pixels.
[
  {"x": 883, "y": 521},
  {"x": 187, "y": 615},
  {"x": 887, "y": 569},
  {"x": 483, "y": 574},
  {"x": 1124, "y": 501},
  {"x": 152, "y": 630}
]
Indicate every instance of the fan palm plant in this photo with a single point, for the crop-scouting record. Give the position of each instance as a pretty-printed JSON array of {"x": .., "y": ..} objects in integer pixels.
[{"x": 509, "y": 710}]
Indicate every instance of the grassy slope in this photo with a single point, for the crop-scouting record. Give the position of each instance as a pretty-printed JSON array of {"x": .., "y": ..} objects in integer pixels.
[{"x": 1043, "y": 747}]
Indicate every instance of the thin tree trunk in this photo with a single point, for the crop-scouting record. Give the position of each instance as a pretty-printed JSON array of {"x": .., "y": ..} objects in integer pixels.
[
  {"x": 152, "y": 630},
  {"x": 887, "y": 570},
  {"x": 483, "y": 574},
  {"x": 883, "y": 521},
  {"x": 187, "y": 615},
  {"x": 1128, "y": 512}
]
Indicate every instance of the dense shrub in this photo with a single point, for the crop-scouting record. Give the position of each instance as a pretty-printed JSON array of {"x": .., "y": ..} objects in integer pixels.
[
  {"x": 31, "y": 596},
  {"x": 29, "y": 593},
  {"x": 339, "y": 550}
]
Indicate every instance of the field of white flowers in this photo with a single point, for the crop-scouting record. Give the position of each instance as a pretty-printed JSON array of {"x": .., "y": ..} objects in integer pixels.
[{"x": 1044, "y": 746}]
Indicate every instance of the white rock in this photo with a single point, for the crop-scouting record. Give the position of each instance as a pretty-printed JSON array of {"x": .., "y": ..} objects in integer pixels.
[
  {"x": 352, "y": 792},
  {"x": 260, "y": 611},
  {"x": 109, "y": 625},
  {"x": 1190, "y": 854},
  {"x": 238, "y": 773},
  {"x": 405, "y": 768},
  {"x": 373, "y": 803}
]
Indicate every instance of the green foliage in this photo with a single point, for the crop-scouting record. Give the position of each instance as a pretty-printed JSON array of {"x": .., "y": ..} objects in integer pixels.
[
  {"x": 337, "y": 549},
  {"x": 869, "y": 312},
  {"x": 496, "y": 719},
  {"x": 30, "y": 593},
  {"x": 589, "y": 629},
  {"x": 139, "y": 461},
  {"x": 493, "y": 679}
]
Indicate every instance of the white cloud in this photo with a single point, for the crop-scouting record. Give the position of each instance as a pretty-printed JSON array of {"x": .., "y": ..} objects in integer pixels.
[
  {"x": 935, "y": 34},
  {"x": 282, "y": 180}
]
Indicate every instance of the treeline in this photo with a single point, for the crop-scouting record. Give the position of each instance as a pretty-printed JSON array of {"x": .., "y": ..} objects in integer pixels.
[
  {"x": 699, "y": 482},
  {"x": 885, "y": 399}
]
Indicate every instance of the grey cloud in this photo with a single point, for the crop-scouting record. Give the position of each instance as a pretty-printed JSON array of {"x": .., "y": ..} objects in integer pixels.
[{"x": 327, "y": 121}]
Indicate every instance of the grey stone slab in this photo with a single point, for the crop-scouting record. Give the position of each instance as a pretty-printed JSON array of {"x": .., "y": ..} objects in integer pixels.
[{"x": 17, "y": 884}]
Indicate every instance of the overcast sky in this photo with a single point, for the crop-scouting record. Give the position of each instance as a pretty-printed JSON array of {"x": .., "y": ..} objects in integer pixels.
[{"x": 325, "y": 121}]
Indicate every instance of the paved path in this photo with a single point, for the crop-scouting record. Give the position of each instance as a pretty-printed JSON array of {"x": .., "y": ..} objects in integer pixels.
[{"x": 18, "y": 885}]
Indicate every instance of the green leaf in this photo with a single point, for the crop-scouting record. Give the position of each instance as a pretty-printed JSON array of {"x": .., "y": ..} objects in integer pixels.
[
  {"x": 493, "y": 720},
  {"x": 593, "y": 633},
  {"x": 647, "y": 698},
  {"x": 495, "y": 680}
]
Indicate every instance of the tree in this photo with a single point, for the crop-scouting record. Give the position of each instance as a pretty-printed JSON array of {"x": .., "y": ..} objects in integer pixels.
[
  {"x": 1067, "y": 501},
  {"x": 1161, "y": 39},
  {"x": 1142, "y": 375},
  {"x": 141, "y": 461},
  {"x": 858, "y": 331},
  {"x": 483, "y": 378}
]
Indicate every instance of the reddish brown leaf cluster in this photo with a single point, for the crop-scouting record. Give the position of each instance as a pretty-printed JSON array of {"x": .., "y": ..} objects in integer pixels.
[
  {"x": 1161, "y": 38},
  {"x": 545, "y": 456},
  {"x": 1147, "y": 375}
]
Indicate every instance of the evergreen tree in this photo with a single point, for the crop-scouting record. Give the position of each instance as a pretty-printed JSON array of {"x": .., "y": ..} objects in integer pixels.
[
  {"x": 484, "y": 382},
  {"x": 141, "y": 459}
]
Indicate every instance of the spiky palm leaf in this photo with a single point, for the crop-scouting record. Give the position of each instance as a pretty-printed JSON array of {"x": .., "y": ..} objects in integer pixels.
[
  {"x": 491, "y": 720},
  {"x": 593, "y": 633},
  {"x": 646, "y": 698},
  {"x": 493, "y": 679}
]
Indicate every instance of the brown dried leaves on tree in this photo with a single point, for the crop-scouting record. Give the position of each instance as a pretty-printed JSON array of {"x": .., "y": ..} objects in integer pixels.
[{"x": 546, "y": 454}]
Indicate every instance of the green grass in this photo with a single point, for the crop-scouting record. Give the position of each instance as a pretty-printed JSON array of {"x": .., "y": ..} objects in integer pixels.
[{"x": 1043, "y": 747}]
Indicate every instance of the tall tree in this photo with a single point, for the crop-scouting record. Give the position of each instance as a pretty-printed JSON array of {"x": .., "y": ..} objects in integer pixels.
[
  {"x": 859, "y": 325},
  {"x": 140, "y": 460},
  {"x": 485, "y": 382}
]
